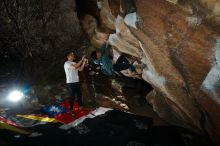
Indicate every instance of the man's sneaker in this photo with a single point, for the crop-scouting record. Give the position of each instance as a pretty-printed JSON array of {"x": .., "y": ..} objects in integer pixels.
[
  {"x": 72, "y": 113},
  {"x": 80, "y": 108}
]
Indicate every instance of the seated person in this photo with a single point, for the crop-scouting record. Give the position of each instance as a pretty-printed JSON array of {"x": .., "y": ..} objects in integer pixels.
[
  {"x": 124, "y": 67},
  {"x": 101, "y": 57}
]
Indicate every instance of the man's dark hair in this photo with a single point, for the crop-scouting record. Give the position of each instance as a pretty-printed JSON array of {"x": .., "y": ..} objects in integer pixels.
[
  {"x": 93, "y": 55},
  {"x": 68, "y": 53}
]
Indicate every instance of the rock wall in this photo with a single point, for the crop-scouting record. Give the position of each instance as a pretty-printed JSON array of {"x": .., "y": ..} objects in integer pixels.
[{"x": 178, "y": 44}]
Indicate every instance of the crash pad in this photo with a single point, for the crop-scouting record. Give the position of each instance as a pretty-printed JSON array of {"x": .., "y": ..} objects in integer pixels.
[
  {"x": 67, "y": 118},
  {"x": 53, "y": 110},
  {"x": 4, "y": 120},
  {"x": 39, "y": 117},
  {"x": 13, "y": 128},
  {"x": 66, "y": 105}
]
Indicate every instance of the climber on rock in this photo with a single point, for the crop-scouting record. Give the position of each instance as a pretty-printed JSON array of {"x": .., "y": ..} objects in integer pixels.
[
  {"x": 102, "y": 58},
  {"x": 123, "y": 67}
]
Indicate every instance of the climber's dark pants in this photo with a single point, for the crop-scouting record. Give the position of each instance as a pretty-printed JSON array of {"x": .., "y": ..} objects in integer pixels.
[{"x": 122, "y": 64}]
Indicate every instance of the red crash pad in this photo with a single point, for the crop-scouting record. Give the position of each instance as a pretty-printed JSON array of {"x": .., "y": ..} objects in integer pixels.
[
  {"x": 66, "y": 105},
  {"x": 8, "y": 121},
  {"x": 67, "y": 118}
]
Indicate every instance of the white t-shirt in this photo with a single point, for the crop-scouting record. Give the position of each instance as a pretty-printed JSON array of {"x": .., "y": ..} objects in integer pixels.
[{"x": 71, "y": 72}]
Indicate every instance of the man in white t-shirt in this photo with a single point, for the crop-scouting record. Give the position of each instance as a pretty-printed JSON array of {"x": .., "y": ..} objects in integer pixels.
[{"x": 72, "y": 78}]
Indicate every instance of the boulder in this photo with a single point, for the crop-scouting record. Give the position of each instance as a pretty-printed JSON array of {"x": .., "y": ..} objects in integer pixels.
[{"x": 177, "y": 42}]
